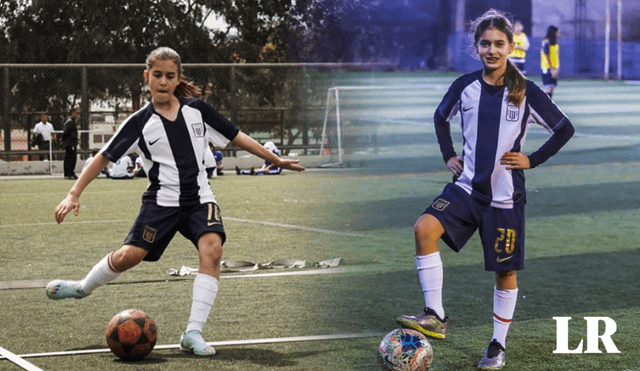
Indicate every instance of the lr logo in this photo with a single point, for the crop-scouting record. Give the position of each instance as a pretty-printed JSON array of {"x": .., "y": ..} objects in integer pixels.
[{"x": 562, "y": 335}]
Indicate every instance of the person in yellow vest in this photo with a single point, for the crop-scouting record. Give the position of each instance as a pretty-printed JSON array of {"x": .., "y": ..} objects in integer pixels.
[
  {"x": 519, "y": 54},
  {"x": 550, "y": 60}
]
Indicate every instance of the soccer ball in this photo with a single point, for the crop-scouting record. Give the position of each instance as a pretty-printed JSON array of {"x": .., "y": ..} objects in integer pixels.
[
  {"x": 131, "y": 334},
  {"x": 405, "y": 350}
]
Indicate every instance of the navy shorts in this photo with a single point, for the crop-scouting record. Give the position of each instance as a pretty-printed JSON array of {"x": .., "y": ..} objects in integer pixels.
[
  {"x": 501, "y": 230},
  {"x": 548, "y": 80},
  {"x": 156, "y": 226}
]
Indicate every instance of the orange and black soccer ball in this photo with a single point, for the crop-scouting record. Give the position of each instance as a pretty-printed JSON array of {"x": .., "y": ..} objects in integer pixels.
[{"x": 131, "y": 334}]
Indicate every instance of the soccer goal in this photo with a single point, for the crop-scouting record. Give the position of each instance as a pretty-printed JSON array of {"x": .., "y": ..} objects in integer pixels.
[{"x": 364, "y": 113}]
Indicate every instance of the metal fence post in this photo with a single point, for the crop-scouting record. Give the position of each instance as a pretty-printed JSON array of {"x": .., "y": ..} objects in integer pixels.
[
  {"x": 305, "y": 127},
  {"x": 234, "y": 101},
  {"x": 84, "y": 111},
  {"x": 7, "y": 118}
]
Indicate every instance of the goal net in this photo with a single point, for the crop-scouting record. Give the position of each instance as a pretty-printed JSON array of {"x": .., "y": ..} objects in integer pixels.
[{"x": 365, "y": 123}]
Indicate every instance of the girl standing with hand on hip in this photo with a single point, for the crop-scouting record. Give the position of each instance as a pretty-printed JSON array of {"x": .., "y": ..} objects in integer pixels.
[
  {"x": 172, "y": 135},
  {"x": 496, "y": 105}
]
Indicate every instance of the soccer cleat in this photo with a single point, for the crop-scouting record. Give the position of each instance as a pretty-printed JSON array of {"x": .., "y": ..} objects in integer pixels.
[
  {"x": 493, "y": 359},
  {"x": 428, "y": 323},
  {"x": 59, "y": 289},
  {"x": 193, "y": 342}
]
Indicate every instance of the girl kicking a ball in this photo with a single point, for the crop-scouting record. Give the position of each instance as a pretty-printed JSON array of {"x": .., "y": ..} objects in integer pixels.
[
  {"x": 496, "y": 105},
  {"x": 172, "y": 135}
]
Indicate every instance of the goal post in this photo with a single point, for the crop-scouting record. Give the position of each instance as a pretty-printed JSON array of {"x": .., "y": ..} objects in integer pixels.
[
  {"x": 368, "y": 109},
  {"x": 335, "y": 93}
]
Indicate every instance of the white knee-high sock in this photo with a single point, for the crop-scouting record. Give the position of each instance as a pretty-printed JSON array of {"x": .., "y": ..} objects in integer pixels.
[
  {"x": 504, "y": 304},
  {"x": 431, "y": 276},
  {"x": 205, "y": 290},
  {"x": 101, "y": 274}
]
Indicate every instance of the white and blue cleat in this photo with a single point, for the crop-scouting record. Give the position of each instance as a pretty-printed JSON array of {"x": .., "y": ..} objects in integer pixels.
[
  {"x": 494, "y": 358},
  {"x": 193, "y": 342},
  {"x": 59, "y": 289}
]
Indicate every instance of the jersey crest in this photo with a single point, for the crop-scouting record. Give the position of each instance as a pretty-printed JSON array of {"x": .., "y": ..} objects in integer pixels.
[
  {"x": 198, "y": 129},
  {"x": 440, "y": 204},
  {"x": 149, "y": 234},
  {"x": 513, "y": 112}
]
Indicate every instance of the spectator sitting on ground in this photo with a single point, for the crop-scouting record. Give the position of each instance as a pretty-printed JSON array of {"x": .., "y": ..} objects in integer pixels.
[
  {"x": 268, "y": 168},
  {"x": 140, "y": 168},
  {"x": 104, "y": 171},
  {"x": 123, "y": 169},
  {"x": 216, "y": 169}
]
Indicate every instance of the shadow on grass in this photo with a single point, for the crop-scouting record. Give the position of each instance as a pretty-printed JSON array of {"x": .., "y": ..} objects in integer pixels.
[
  {"x": 548, "y": 287},
  {"x": 253, "y": 355},
  {"x": 543, "y": 202}
]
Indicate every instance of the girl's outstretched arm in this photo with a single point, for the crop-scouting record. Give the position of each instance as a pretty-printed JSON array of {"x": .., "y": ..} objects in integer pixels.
[
  {"x": 71, "y": 202},
  {"x": 247, "y": 143}
]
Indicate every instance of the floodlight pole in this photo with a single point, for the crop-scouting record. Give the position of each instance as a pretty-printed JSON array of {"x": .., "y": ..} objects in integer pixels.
[
  {"x": 607, "y": 34},
  {"x": 339, "y": 127},
  {"x": 619, "y": 40}
]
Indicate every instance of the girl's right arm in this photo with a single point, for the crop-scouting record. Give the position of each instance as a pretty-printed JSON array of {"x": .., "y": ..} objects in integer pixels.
[{"x": 71, "y": 202}]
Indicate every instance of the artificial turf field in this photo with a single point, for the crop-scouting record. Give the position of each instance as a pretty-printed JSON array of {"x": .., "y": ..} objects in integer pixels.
[{"x": 583, "y": 254}]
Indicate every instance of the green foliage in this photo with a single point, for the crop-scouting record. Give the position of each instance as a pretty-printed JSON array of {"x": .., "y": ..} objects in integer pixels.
[{"x": 582, "y": 259}]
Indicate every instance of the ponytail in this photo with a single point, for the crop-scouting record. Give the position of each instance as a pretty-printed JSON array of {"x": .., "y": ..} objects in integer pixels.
[
  {"x": 516, "y": 84},
  {"x": 186, "y": 89}
]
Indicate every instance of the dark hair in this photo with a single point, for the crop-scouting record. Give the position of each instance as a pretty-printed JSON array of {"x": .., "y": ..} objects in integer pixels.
[
  {"x": 513, "y": 78},
  {"x": 185, "y": 88},
  {"x": 552, "y": 36}
]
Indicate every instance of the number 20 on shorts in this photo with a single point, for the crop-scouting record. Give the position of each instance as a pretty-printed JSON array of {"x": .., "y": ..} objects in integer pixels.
[{"x": 509, "y": 238}]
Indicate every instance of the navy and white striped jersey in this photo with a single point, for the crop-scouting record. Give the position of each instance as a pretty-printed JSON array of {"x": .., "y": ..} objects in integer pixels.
[
  {"x": 174, "y": 153},
  {"x": 491, "y": 127}
]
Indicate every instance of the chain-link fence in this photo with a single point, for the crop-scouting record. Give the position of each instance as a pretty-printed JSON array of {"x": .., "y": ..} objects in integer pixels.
[{"x": 283, "y": 103}]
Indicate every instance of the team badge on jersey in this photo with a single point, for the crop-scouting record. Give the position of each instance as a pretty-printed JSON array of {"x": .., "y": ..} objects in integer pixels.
[
  {"x": 198, "y": 129},
  {"x": 513, "y": 112},
  {"x": 440, "y": 204},
  {"x": 149, "y": 234}
]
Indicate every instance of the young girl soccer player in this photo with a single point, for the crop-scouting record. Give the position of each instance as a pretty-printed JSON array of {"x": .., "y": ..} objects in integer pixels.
[
  {"x": 550, "y": 60},
  {"x": 171, "y": 133},
  {"x": 496, "y": 105}
]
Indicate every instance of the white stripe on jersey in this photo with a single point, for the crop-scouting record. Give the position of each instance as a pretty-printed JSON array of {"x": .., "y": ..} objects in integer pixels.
[{"x": 174, "y": 153}]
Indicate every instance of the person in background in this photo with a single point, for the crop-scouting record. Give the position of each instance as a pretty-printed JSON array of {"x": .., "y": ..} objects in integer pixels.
[
  {"x": 86, "y": 163},
  {"x": 45, "y": 129},
  {"x": 140, "y": 167},
  {"x": 519, "y": 55},
  {"x": 214, "y": 167},
  {"x": 70, "y": 143},
  {"x": 550, "y": 60},
  {"x": 124, "y": 168},
  {"x": 268, "y": 168}
]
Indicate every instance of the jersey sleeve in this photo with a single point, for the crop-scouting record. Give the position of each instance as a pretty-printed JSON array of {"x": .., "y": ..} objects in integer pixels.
[
  {"x": 220, "y": 131},
  {"x": 126, "y": 138},
  {"x": 446, "y": 111},
  {"x": 547, "y": 114}
]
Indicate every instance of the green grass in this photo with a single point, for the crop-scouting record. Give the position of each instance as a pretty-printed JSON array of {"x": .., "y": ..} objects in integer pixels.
[{"x": 582, "y": 259}]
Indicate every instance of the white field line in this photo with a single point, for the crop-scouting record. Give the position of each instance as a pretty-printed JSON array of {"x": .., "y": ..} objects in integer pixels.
[
  {"x": 5, "y": 354},
  {"x": 301, "y": 272},
  {"x": 587, "y": 135},
  {"x": 214, "y": 344},
  {"x": 273, "y": 224},
  {"x": 302, "y": 228}
]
